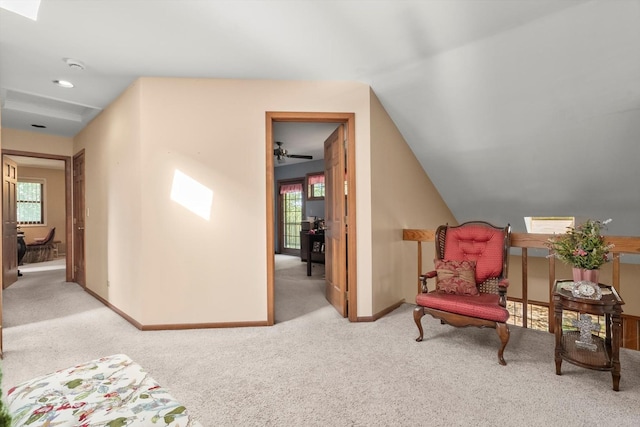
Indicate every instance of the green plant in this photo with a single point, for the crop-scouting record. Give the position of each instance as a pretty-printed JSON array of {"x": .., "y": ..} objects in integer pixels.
[
  {"x": 582, "y": 246},
  {"x": 5, "y": 418}
]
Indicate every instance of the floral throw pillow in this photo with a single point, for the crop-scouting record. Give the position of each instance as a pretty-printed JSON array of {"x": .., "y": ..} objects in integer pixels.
[{"x": 456, "y": 277}]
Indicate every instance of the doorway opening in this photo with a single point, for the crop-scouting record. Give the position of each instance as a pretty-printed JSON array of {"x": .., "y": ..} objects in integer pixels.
[
  {"x": 347, "y": 217},
  {"x": 67, "y": 196},
  {"x": 10, "y": 231}
]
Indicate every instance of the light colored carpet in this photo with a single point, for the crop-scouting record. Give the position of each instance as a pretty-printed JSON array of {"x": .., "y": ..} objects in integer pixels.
[
  {"x": 317, "y": 369},
  {"x": 284, "y": 262},
  {"x": 297, "y": 294}
]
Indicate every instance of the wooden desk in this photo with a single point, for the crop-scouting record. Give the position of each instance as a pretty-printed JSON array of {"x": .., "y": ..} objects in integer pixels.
[
  {"x": 316, "y": 240},
  {"x": 606, "y": 357},
  {"x": 304, "y": 243}
]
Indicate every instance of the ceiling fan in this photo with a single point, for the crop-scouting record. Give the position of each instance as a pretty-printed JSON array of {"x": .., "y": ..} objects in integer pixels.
[{"x": 282, "y": 153}]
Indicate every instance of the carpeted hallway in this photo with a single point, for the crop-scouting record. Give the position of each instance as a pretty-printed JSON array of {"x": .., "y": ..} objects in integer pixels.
[{"x": 297, "y": 294}]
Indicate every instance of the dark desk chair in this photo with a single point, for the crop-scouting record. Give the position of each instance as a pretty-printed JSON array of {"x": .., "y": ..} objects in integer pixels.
[{"x": 41, "y": 249}]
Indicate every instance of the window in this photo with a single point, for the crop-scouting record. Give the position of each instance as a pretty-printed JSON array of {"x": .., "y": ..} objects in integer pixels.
[
  {"x": 315, "y": 186},
  {"x": 291, "y": 208},
  {"x": 30, "y": 201},
  {"x": 548, "y": 224}
]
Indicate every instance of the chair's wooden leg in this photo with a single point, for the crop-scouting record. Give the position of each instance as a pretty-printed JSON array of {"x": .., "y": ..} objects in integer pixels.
[
  {"x": 503, "y": 333},
  {"x": 418, "y": 312}
]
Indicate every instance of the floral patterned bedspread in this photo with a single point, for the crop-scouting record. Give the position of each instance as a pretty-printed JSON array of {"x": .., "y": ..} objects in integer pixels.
[{"x": 112, "y": 391}]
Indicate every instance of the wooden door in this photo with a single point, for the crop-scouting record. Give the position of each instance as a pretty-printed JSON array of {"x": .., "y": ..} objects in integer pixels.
[
  {"x": 9, "y": 222},
  {"x": 9, "y": 228},
  {"x": 78, "y": 219},
  {"x": 335, "y": 214}
]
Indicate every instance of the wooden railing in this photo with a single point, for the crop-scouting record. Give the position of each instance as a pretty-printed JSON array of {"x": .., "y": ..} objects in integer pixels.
[{"x": 526, "y": 241}]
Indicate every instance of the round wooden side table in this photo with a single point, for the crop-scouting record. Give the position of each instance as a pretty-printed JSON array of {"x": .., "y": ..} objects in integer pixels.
[{"x": 605, "y": 355}]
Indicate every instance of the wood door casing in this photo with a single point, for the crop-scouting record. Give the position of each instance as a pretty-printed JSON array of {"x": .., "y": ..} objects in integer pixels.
[
  {"x": 9, "y": 222},
  {"x": 348, "y": 119},
  {"x": 79, "y": 275},
  {"x": 335, "y": 214}
]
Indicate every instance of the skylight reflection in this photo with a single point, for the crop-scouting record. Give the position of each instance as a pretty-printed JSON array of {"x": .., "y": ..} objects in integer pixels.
[
  {"x": 548, "y": 224},
  {"x": 192, "y": 195},
  {"x": 26, "y": 8}
]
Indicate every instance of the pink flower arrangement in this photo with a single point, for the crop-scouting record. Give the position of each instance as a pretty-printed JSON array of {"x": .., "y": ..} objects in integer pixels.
[{"x": 582, "y": 246}]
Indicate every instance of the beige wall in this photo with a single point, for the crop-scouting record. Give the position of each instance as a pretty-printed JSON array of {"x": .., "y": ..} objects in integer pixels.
[
  {"x": 114, "y": 244},
  {"x": 402, "y": 196},
  {"x": 629, "y": 289},
  {"x": 35, "y": 142},
  {"x": 163, "y": 263},
  {"x": 54, "y": 204}
]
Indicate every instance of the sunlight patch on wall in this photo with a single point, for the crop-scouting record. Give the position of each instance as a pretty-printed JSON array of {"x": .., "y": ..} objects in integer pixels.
[{"x": 189, "y": 193}]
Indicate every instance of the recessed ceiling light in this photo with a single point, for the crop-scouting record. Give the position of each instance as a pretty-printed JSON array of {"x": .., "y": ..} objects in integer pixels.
[
  {"x": 39, "y": 126},
  {"x": 63, "y": 83}
]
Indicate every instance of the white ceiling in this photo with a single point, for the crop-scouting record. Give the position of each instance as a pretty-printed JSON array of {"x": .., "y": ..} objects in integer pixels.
[
  {"x": 118, "y": 41},
  {"x": 498, "y": 99}
]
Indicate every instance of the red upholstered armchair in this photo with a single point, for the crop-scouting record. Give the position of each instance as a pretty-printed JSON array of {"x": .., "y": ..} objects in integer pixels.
[{"x": 471, "y": 279}]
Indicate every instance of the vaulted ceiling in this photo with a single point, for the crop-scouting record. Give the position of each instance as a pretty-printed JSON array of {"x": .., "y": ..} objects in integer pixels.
[{"x": 514, "y": 108}]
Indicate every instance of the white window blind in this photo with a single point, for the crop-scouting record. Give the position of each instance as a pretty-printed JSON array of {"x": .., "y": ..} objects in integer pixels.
[{"x": 30, "y": 202}]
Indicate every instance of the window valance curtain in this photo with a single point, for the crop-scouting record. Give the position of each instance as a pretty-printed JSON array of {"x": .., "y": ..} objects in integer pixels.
[
  {"x": 316, "y": 179},
  {"x": 290, "y": 188}
]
